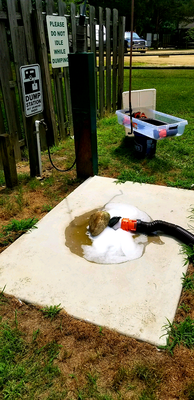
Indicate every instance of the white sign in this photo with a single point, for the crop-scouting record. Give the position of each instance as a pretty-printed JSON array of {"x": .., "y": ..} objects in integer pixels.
[
  {"x": 32, "y": 89},
  {"x": 58, "y": 40}
]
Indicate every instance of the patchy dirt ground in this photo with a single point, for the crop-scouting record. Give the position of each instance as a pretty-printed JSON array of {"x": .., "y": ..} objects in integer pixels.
[
  {"x": 163, "y": 58},
  {"x": 126, "y": 368}
]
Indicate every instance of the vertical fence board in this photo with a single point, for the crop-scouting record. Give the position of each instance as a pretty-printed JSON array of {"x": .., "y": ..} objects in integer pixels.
[
  {"x": 9, "y": 94},
  {"x": 115, "y": 51},
  {"x": 73, "y": 26},
  {"x": 61, "y": 7},
  {"x": 108, "y": 62},
  {"x": 8, "y": 160},
  {"x": 26, "y": 14},
  {"x": 49, "y": 112},
  {"x": 2, "y": 130},
  {"x": 58, "y": 85},
  {"x": 92, "y": 30},
  {"x": 19, "y": 49},
  {"x": 101, "y": 64},
  {"x": 50, "y": 7},
  {"x": 121, "y": 60},
  {"x": 93, "y": 41},
  {"x": 68, "y": 117}
]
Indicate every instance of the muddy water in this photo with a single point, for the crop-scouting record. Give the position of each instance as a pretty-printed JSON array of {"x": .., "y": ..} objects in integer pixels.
[{"x": 76, "y": 234}]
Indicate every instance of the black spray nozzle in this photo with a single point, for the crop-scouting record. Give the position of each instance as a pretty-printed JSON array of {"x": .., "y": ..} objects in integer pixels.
[{"x": 113, "y": 221}]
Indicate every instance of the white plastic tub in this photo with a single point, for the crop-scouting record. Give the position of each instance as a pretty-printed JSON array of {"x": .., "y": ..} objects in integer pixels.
[{"x": 158, "y": 125}]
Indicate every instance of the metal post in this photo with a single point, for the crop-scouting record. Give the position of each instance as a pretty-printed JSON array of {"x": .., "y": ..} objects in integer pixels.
[{"x": 83, "y": 97}]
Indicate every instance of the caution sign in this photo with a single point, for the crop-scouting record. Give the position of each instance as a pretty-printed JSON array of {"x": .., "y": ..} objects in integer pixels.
[
  {"x": 32, "y": 89},
  {"x": 58, "y": 40}
]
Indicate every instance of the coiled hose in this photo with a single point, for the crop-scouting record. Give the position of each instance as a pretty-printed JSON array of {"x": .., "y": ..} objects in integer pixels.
[{"x": 148, "y": 228}]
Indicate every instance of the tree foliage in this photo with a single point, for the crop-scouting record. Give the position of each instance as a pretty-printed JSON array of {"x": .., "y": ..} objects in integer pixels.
[{"x": 151, "y": 15}]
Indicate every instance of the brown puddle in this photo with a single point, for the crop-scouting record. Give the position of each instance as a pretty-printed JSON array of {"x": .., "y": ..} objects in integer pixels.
[{"x": 76, "y": 234}]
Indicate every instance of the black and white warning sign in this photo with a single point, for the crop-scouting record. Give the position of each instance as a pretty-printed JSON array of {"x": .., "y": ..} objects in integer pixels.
[
  {"x": 58, "y": 40},
  {"x": 32, "y": 89}
]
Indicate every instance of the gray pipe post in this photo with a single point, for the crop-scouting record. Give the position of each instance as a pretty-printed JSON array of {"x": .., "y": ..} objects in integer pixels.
[{"x": 83, "y": 98}]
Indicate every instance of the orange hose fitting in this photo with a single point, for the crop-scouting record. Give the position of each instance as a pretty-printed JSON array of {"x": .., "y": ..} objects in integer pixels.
[{"x": 128, "y": 224}]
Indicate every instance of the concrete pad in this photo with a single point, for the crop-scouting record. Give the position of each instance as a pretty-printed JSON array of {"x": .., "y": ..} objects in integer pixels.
[{"x": 135, "y": 297}]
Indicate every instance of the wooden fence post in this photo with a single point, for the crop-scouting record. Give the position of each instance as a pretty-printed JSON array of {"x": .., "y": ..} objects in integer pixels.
[
  {"x": 93, "y": 43},
  {"x": 115, "y": 51},
  {"x": 73, "y": 26},
  {"x": 8, "y": 160},
  {"x": 121, "y": 60},
  {"x": 108, "y": 62},
  {"x": 101, "y": 63}
]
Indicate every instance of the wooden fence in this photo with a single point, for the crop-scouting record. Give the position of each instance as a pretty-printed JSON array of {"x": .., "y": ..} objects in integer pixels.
[{"x": 23, "y": 41}]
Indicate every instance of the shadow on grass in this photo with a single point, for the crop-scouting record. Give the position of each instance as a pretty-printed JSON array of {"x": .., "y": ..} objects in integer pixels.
[{"x": 154, "y": 164}]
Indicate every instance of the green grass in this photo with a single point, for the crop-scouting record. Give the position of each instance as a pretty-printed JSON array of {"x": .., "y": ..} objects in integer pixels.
[
  {"x": 179, "y": 333},
  {"x": 173, "y": 164},
  {"x": 188, "y": 282},
  {"x": 27, "y": 371},
  {"x": 174, "y": 89}
]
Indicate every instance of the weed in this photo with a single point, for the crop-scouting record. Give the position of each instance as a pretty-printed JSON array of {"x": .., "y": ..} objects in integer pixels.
[
  {"x": 16, "y": 318},
  {"x": 185, "y": 307},
  {"x": 33, "y": 184},
  {"x": 22, "y": 225},
  {"x": 25, "y": 154},
  {"x": 51, "y": 350},
  {"x": 101, "y": 330},
  {"x": 2, "y": 291},
  {"x": 46, "y": 208},
  {"x": 150, "y": 377},
  {"x": 14, "y": 229},
  {"x": 2, "y": 179},
  {"x": 189, "y": 391},
  {"x": 51, "y": 312},
  {"x": 120, "y": 376},
  {"x": 188, "y": 253},
  {"x": 23, "y": 178},
  {"x": 20, "y": 198},
  {"x": 179, "y": 333},
  {"x": 35, "y": 334},
  {"x": 147, "y": 395},
  {"x": 3, "y": 299},
  {"x": 188, "y": 282}
]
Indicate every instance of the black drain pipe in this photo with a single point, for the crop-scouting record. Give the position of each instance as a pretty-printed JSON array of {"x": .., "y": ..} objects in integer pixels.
[{"x": 148, "y": 228}]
